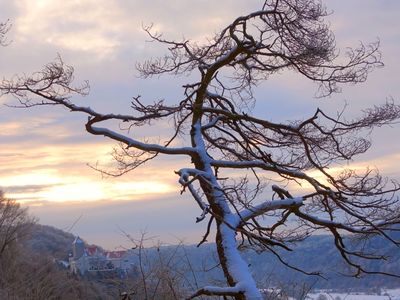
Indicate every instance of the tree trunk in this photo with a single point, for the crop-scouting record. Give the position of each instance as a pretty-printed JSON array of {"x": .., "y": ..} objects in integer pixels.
[{"x": 235, "y": 269}]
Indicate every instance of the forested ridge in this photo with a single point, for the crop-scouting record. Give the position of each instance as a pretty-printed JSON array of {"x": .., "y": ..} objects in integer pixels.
[{"x": 313, "y": 254}]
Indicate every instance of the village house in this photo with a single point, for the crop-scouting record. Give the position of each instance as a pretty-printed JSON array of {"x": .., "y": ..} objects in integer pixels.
[{"x": 93, "y": 259}]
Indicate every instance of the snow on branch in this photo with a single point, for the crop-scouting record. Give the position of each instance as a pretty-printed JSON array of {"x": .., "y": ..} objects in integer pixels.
[
  {"x": 135, "y": 143},
  {"x": 270, "y": 205},
  {"x": 216, "y": 291},
  {"x": 186, "y": 182},
  {"x": 270, "y": 167}
]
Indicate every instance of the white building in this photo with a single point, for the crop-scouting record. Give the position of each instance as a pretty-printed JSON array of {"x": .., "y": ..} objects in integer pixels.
[{"x": 93, "y": 259}]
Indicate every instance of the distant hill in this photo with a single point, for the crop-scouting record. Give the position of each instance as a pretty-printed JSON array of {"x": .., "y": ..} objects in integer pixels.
[
  {"x": 31, "y": 270},
  {"x": 50, "y": 241},
  {"x": 316, "y": 253}
]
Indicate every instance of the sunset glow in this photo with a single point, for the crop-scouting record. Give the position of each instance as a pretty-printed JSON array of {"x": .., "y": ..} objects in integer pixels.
[{"x": 46, "y": 154}]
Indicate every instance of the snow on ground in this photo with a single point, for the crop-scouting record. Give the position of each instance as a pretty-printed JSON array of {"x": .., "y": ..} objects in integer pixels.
[{"x": 393, "y": 294}]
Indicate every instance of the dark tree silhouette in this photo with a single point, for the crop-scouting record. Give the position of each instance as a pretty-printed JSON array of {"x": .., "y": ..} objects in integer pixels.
[{"x": 224, "y": 136}]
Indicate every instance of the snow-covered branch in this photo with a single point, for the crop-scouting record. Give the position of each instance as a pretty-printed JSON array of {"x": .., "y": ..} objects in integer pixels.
[
  {"x": 187, "y": 182},
  {"x": 216, "y": 291},
  {"x": 269, "y": 167},
  {"x": 270, "y": 205},
  {"x": 135, "y": 143}
]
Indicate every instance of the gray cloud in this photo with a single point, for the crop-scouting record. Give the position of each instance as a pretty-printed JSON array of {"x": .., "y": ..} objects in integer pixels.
[{"x": 29, "y": 188}]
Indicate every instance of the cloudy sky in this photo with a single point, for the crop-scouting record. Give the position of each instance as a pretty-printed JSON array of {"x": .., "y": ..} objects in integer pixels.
[{"x": 45, "y": 152}]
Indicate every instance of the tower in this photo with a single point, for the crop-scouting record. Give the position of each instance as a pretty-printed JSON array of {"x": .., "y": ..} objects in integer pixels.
[{"x": 78, "y": 248}]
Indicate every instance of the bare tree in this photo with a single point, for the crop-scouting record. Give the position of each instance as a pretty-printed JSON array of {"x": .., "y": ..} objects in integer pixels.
[
  {"x": 225, "y": 135},
  {"x": 27, "y": 274},
  {"x": 161, "y": 271},
  {"x": 15, "y": 223}
]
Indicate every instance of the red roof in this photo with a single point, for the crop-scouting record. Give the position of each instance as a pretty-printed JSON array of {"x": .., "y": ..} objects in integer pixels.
[
  {"x": 91, "y": 250},
  {"x": 115, "y": 254}
]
